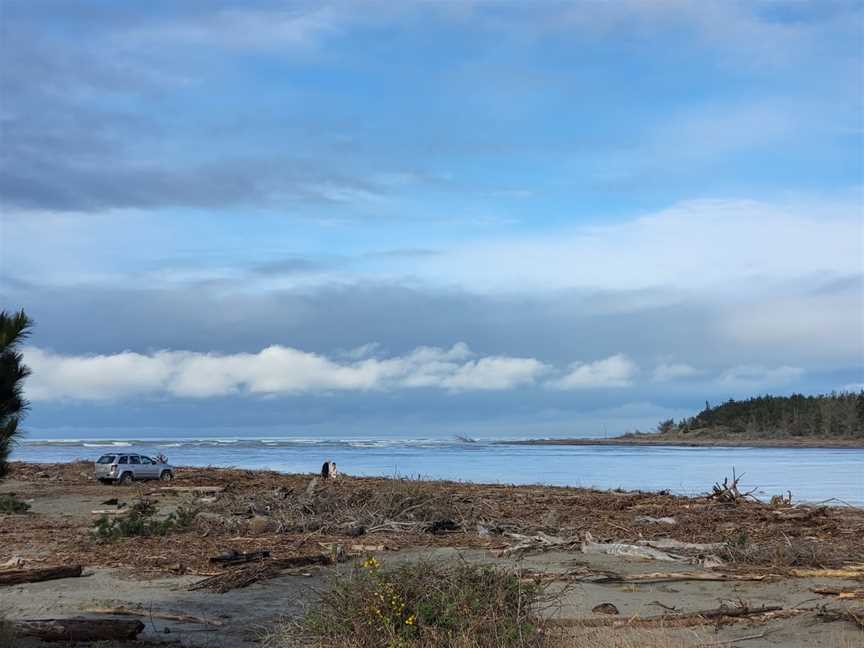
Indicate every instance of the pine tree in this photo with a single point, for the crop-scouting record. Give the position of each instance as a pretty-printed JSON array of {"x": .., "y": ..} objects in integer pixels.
[{"x": 14, "y": 329}]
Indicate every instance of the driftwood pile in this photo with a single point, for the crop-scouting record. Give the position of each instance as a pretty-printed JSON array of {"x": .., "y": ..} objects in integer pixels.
[
  {"x": 728, "y": 492},
  {"x": 260, "y": 569}
]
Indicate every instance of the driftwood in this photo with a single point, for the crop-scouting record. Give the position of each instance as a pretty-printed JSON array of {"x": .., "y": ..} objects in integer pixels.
[
  {"x": 37, "y": 574},
  {"x": 538, "y": 542},
  {"x": 247, "y": 575},
  {"x": 728, "y": 492},
  {"x": 152, "y": 614},
  {"x": 850, "y": 571},
  {"x": 604, "y": 577},
  {"x": 839, "y": 593},
  {"x": 682, "y": 619},
  {"x": 79, "y": 629},
  {"x": 234, "y": 557},
  {"x": 193, "y": 489}
]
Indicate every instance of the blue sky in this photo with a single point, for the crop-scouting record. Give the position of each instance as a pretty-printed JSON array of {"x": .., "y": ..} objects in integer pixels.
[{"x": 460, "y": 217}]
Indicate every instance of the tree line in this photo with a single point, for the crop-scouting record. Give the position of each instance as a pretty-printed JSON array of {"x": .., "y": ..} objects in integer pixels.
[{"x": 838, "y": 414}]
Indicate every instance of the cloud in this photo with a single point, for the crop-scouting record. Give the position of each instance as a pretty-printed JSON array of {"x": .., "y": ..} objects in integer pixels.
[
  {"x": 669, "y": 372},
  {"x": 696, "y": 244},
  {"x": 275, "y": 370},
  {"x": 794, "y": 322},
  {"x": 615, "y": 371},
  {"x": 754, "y": 376}
]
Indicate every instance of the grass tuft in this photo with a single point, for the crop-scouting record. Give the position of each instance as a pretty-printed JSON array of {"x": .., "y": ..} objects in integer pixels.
[{"x": 11, "y": 504}]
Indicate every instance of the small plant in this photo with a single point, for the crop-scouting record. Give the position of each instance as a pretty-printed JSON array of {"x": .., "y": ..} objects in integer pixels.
[
  {"x": 186, "y": 514},
  {"x": 11, "y": 504},
  {"x": 425, "y": 604},
  {"x": 139, "y": 521}
]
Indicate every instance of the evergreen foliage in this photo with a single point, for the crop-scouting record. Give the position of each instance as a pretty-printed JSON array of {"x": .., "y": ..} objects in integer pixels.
[
  {"x": 831, "y": 415},
  {"x": 14, "y": 329}
]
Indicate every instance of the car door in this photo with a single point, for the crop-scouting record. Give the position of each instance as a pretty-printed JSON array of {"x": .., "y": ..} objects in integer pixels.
[
  {"x": 122, "y": 465},
  {"x": 137, "y": 470},
  {"x": 148, "y": 468}
]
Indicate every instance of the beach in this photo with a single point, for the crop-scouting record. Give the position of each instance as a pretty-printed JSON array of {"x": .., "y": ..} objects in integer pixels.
[{"x": 767, "y": 555}]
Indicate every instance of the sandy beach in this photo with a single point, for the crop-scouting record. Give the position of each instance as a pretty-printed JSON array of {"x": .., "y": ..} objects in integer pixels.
[{"x": 702, "y": 553}]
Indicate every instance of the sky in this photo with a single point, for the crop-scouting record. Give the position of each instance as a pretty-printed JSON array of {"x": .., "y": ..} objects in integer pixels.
[{"x": 429, "y": 218}]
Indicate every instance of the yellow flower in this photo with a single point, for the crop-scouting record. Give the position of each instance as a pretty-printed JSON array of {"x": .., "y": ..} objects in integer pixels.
[{"x": 409, "y": 620}]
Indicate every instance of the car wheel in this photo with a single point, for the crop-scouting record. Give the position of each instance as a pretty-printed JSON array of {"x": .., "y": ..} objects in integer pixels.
[
  {"x": 125, "y": 479},
  {"x": 166, "y": 475}
]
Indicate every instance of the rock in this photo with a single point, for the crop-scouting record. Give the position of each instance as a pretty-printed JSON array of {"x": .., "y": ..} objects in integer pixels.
[{"x": 605, "y": 608}]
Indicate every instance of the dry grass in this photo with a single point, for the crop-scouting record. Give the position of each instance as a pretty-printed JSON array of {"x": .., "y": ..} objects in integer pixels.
[{"x": 780, "y": 554}]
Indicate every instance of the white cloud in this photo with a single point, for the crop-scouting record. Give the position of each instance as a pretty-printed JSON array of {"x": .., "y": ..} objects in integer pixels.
[
  {"x": 674, "y": 371},
  {"x": 273, "y": 370},
  {"x": 615, "y": 371},
  {"x": 700, "y": 245},
  {"x": 751, "y": 376}
]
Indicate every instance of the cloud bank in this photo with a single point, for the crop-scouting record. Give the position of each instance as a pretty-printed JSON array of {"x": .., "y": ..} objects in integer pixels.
[{"x": 275, "y": 370}]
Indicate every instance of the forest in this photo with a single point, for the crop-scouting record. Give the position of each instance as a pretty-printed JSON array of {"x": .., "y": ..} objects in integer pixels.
[{"x": 829, "y": 415}]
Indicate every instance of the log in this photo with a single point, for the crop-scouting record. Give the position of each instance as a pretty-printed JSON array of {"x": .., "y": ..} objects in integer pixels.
[
  {"x": 234, "y": 557},
  {"x": 839, "y": 593},
  {"x": 79, "y": 629},
  {"x": 152, "y": 614},
  {"x": 675, "y": 619},
  {"x": 35, "y": 575},
  {"x": 194, "y": 489},
  {"x": 606, "y": 577}
]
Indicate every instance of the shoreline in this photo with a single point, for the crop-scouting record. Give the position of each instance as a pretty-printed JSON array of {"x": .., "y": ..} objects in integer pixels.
[{"x": 849, "y": 444}]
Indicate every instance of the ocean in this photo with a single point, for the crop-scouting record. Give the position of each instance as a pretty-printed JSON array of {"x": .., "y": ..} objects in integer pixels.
[{"x": 811, "y": 474}]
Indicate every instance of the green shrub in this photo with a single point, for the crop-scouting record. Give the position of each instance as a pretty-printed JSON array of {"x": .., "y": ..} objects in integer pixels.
[
  {"x": 11, "y": 504},
  {"x": 424, "y": 604},
  {"x": 139, "y": 521}
]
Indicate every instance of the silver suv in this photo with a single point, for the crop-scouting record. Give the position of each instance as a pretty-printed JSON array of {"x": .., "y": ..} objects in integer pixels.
[{"x": 123, "y": 468}]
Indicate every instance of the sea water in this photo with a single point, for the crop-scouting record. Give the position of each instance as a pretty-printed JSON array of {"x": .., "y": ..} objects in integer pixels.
[{"x": 811, "y": 474}]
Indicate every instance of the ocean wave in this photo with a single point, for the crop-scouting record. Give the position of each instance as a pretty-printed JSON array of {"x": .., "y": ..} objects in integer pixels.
[
  {"x": 257, "y": 443},
  {"x": 108, "y": 444}
]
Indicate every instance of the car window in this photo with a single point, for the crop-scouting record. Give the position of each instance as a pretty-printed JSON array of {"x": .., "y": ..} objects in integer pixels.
[
  {"x": 134, "y": 460},
  {"x": 106, "y": 459},
  {"x": 146, "y": 460},
  {"x": 123, "y": 460}
]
